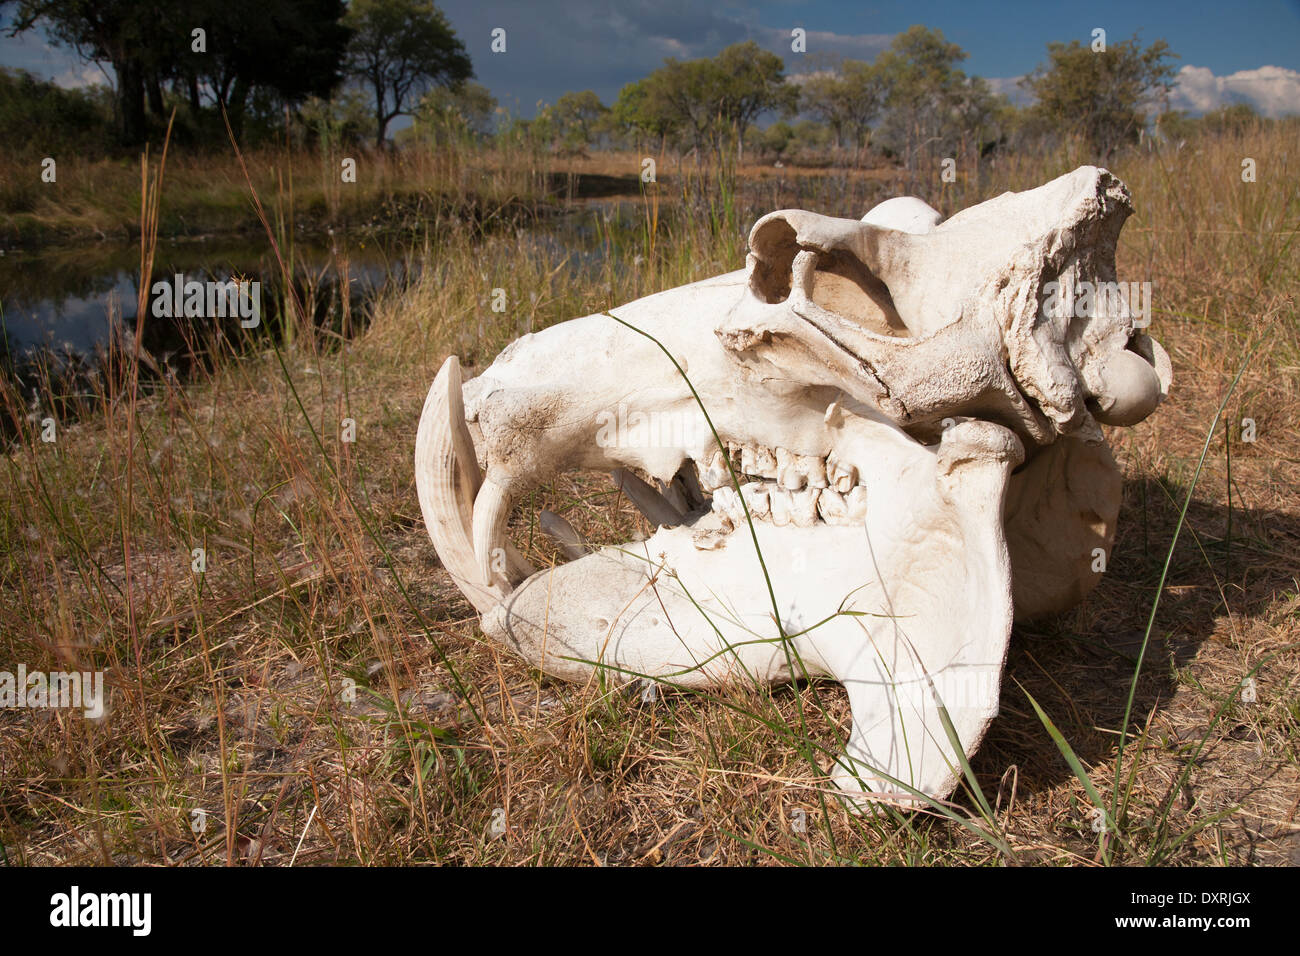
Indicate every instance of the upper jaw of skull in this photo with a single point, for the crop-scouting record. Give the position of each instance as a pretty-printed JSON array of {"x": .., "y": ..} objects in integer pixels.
[{"x": 877, "y": 312}]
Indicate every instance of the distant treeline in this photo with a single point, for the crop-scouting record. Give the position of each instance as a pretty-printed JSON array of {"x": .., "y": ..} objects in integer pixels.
[{"x": 340, "y": 74}]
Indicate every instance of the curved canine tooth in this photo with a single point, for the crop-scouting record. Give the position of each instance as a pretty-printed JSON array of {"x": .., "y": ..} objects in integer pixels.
[
  {"x": 562, "y": 533},
  {"x": 757, "y": 498},
  {"x": 781, "y": 506},
  {"x": 856, "y": 501},
  {"x": 803, "y": 507},
  {"x": 831, "y": 507},
  {"x": 447, "y": 478},
  {"x": 657, "y": 509},
  {"x": 491, "y": 512}
]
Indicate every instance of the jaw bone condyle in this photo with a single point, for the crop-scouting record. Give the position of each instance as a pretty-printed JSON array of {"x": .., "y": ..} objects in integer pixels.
[{"x": 911, "y": 433}]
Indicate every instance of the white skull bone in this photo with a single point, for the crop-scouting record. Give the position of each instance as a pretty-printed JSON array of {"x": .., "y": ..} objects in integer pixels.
[{"x": 874, "y": 384}]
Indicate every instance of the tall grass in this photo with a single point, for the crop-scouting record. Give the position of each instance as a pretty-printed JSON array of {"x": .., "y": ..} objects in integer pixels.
[{"x": 319, "y": 691}]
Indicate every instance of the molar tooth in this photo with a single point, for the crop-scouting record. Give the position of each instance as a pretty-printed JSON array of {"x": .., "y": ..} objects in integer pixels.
[
  {"x": 814, "y": 469},
  {"x": 715, "y": 474},
  {"x": 803, "y": 507},
  {"x": 756, "y": 496},
  {"x": 725, "y": 502},
  {"x": 842, "y": 476},
  {"x": 787, "y": 470},
  {"x": 757, "y": 460},
  {"x": 782, "y": 506},
  {"x": 856, "y": 501},
  {"x": 831, "y": 507}
]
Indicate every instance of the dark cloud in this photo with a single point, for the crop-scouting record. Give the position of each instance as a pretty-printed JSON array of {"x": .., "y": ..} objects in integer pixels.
[{"x": 588, "y": 44}]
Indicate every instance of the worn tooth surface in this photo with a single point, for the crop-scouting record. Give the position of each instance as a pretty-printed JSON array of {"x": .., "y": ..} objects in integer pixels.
[
  {"x": 715, "y": 474},
  {"x": 756, "y": 496},
  {"x": 724, "y": 499},
  {"x": 757, "y": 460},
  {"x": 491, "y": 512},
  {"x": 803, "y": 507},
  {"x": 781, "y": 506},
  {"x": 788, "y": 474},
  {"x": 856, "y": 501},
  {"x": 841, "y": 475},
  {"x": 831, "y": 507},
  {"x": 813, "y": 469}
]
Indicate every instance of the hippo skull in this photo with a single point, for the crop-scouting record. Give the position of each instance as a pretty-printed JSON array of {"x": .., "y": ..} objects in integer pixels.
[{"x": 864, "y": 454}]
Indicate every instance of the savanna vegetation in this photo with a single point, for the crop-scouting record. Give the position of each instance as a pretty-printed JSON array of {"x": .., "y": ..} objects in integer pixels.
[{"x": 311, "y": 688}]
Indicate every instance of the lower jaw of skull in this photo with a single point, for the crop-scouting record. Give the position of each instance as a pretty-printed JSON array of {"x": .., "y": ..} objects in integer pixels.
[{"x": 885, "y": 603}]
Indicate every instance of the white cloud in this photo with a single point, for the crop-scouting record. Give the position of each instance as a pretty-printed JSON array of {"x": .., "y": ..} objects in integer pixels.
[
  {"x": 82, "y": 75},
  {"x": 1272, "y": 90},
  {"x": 1009, "y": 86}
]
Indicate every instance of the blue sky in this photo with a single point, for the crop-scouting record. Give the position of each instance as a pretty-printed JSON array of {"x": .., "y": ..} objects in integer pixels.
[{"x": 553, "y": 47}]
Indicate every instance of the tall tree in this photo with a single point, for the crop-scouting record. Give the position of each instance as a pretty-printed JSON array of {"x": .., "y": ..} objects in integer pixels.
[
  {"x": 116, "y": 32},
  {"x": 703, "y": 102},
  {"x": 930, "y": 106},
  {"x": 292, "y": 48},
  {"x": 400, "y": 49},
  {"x": 577, "y": 116},
  {"x": 295, "y": 48},
  {"x": 848, "y": 99},
  {"x": 1101, "y": 93}
]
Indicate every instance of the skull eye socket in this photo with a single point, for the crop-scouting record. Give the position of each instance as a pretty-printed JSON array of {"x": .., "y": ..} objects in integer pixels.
[
  {"x": 771, "y": 264},
  {"x": 840, "y": 283},
  {"x": 846, "y": 287}
]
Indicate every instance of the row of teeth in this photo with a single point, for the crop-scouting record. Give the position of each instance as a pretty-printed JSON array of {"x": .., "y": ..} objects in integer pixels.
[{"x": 797, "y": 488}]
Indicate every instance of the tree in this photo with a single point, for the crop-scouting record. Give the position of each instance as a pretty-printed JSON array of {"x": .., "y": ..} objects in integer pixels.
[
  {"x": 106, "y": 31},
  {"x": 848, "y": 100},
  {"x": 702, "y": 103},
  {"x": 577, "y": 116},
  {"x": 293, "y": 48},
  {"x": 1101, "y": 94},
  {"x": 399, "y": 50},
  {"x": 290, "y": 48},
  {"x": 750, "y": 82},
  {"x": 463, "y": 110},
  {"x": 930, "y": 106},
  {"x": 79, "y": 119}
]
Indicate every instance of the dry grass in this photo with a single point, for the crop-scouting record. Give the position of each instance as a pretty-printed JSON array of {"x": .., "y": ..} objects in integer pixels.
[{"x": 230, "y": 690}]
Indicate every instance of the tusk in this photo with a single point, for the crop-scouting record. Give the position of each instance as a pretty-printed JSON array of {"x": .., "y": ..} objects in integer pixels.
[
  {"x": 491, "y": 512},
  {"x": 447, "y": 480}
]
